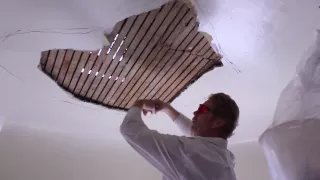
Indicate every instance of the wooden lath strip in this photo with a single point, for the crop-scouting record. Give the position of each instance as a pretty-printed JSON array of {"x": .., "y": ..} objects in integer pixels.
[
  {"x": 57, "y": 64},
  {"x": 185, "y": 34},
  {"x": 145, "y": 40},
  {"x": 182, "y": 18},
  {"x": 149, "y": 64},
  {"x": 176, "y": 60},
  {"x": 122, "y": 70},
  {"x": 177, "y": 72},
  {"x": 84, "y": 75},
  {"x": 146, "y": 57},
  {"x": 182, "y": 85},
  {"x": 83, "y": 61},
  {"x": 114, "y": 63},
  {"x": 116, "y": 39},
  {"x": 182, "y": 12},
  {"x": 178, "y": 77},
  {"x": 65, "y": 65},
  {"x": 199, "y": 46},
  {"x": 155, "y": 72},
  {"x": 71, "y": 71},
  {"x": 186, "y": 41},
  {"x": 95, "y": 71},
  {"x": 174, "y": 74},
  {"x": 51, "y": 59},
  {"x": 120, "y": 56},
  {"x": 162, "y": 56},
  {"x": 183, "y": 24},
  {"x": 44, "y": 59}
]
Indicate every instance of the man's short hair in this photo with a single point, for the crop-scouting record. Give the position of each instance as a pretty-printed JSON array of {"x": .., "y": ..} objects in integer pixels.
[{"x": 226, "y": 108}]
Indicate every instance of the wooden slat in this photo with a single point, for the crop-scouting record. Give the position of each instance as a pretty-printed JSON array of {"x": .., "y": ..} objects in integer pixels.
[
  {"x": 65, "y": 66},
  {"x": 99, "y": 83},
  {"x": 148, "y": 54},
  {"x": 44, "y": 59},
  {"x": 181, "y": 76},
  {"x": 208, "y": 54},
  {"x": 175, "y": 74},
  {"x": 155, "y": 72},
  {"x": 84, "y": 58},
  {"x": 73, "y": 65},
  {"x": 199, "y": 46},
  {"x": 184, "y": 34},
  {"x": 191, "y": 36},
  {"x": 131, "y": 49},
  {"x": 183, "y": 24},
  {"x": 144, "y": 72},
  {"x": 186, "y": 80},
  {"x": 199, "y": 37},
  {"x": 57, "y": 64},
  {"x": 146, "y": 38},
  {"x": 182, "y": 18},
  {"x": 184, "y": 9},
  {"x": 94, "y": 71},
  {"x": 206, "y": 48},
  {"x": 132, "y": 30},
  {"x": 175, "y": 61},
  {"x": 51, "y": 60},
  {"x": 92, "y": 59}
]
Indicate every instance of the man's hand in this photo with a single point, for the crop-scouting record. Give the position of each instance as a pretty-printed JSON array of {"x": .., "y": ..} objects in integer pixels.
[
  {"x": 146, "y": 106},
  {"x": 155, "y": 106}
]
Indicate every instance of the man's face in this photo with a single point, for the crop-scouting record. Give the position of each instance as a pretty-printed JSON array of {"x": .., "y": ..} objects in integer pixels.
[
  {"x": 201, "y": 120},
  {"x": 204, "y": 121}
]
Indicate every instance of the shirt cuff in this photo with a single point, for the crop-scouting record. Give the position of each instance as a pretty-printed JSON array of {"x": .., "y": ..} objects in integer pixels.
[{"x": 134, "y": 111}]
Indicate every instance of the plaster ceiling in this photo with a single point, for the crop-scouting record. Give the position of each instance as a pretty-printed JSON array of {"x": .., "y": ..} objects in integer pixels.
[{"x": 261, "y": 41}]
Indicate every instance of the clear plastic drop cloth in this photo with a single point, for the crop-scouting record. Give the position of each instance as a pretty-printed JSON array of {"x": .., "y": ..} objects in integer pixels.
[{"x": 292, "y": 143}]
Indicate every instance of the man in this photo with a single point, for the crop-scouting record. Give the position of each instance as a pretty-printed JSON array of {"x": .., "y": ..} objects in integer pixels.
[{"x": 204, "y": 156}]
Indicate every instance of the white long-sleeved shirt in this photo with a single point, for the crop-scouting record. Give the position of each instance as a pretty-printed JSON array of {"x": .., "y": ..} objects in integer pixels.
[{"x": 179, "y": 157}]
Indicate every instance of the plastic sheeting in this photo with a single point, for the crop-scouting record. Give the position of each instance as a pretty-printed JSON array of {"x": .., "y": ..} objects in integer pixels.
[{"x": 292, "y": 142}]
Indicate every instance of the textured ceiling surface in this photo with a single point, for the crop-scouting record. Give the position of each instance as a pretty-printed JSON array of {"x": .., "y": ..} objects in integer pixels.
[{"x": 153, "y": 55}]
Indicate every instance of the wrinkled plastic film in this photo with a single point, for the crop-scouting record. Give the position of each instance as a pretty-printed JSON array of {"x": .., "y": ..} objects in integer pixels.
[{"x": 292, "y": 142}]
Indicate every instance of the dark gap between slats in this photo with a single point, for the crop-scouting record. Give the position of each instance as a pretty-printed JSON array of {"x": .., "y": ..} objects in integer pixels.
[
  {"x": 75, "y": 87},
  {"x": 55, "y": 59},
  {"x": 154, "y": 76},
  {"x": 74, "y": 70},
  {"x": 44, "y": 67},
  {"x": 151, "y": 49},
  {"x": 125, "y": 21},
  {"x": 144, "y": 72},
  {"x": 162, "y": 76},
  {"x": 136, "y": 48},
  {"x": 126, "y": 51},
  {"x": 174, "y": 63},
  {"x": 146, "y": 45},
  {"x": 84, "y": 82},
  {"x": 177, "y": 23},
  {"x": 183, "y": 69},
  {"x": 68, "y": 65},
  {"x": 120, "y": 57},
  {"x": 172, "y": 89}
]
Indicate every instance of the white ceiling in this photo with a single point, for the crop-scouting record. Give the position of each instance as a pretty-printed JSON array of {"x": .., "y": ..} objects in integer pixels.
[{"x": 262, "y": 42}]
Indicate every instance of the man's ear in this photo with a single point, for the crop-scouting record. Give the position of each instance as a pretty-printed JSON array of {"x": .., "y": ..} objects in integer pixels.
[{"x": 218, "y": 123}]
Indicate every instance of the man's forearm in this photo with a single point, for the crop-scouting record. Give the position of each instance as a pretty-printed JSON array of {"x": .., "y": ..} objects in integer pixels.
[{"x": 171, "y": 112}]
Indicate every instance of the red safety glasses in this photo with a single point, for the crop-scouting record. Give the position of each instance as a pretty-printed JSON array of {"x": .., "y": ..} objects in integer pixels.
[{"x": 203, "y": 109}]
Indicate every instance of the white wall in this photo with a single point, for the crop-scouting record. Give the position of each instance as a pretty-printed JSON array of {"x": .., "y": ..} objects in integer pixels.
[
  {"x": 29, "y": 154},
  {"x": 250, "y": 161}
]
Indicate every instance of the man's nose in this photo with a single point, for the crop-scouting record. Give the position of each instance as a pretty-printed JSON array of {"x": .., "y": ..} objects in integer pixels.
[{"x": 195, "y": 113}]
